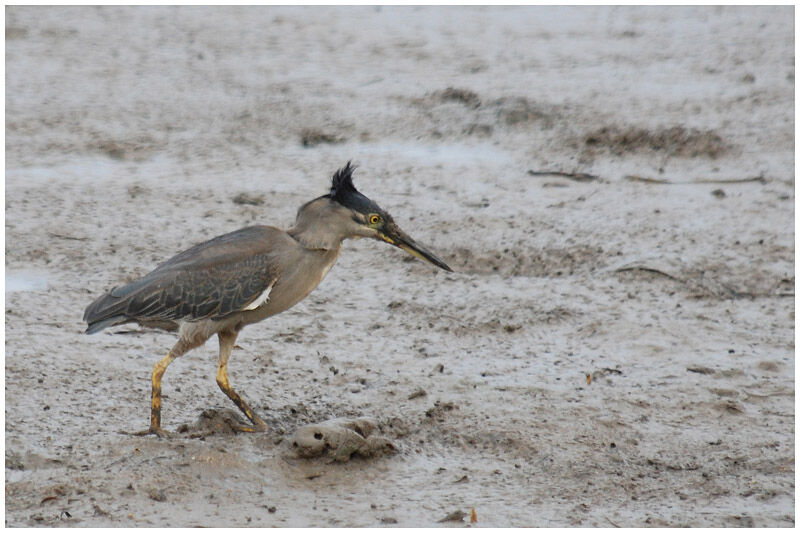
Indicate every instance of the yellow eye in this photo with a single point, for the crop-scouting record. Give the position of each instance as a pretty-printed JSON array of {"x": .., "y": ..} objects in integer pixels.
[{"x": 374, "y": 219}]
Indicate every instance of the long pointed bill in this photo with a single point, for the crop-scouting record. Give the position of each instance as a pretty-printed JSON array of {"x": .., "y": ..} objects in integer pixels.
[{"x": 397, "y": 237}]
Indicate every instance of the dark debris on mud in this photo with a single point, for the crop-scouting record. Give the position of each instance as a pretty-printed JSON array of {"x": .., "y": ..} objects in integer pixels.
[
  {"x": 463, "y": 96},
  {"x": 311, "y": 137},
  {"x": 138, "y": 149},
  {"x": 677, "y": 141}
]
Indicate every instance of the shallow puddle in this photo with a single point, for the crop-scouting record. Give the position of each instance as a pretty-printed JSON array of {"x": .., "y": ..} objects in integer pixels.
[{"x": 26, "y": 281}]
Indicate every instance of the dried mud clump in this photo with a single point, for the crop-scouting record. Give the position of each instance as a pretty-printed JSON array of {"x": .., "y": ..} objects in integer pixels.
[
  {"x": 244, "y": 198},
  {"x": 214, "y": 422},
  {"x": 313, "y": 137},
  {"x": 439, "y": 410},
  {"x": 481, "y": 130},
  {"x": 675, "y": 141},
  {"x": 514, "y": 111},
  {"x": 463, "y": 96},
  {"x": 134, "y": 150}
]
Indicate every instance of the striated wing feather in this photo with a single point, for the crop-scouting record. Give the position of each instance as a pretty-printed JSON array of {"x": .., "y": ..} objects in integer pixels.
[{"x": 208, "y": 281}]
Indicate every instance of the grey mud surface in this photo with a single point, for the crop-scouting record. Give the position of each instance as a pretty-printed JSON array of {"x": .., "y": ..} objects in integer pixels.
[{"x": 616, "y": 346}]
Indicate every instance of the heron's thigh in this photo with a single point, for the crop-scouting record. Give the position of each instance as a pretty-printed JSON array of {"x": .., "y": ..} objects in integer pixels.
[{"x": 227, "y": 340}]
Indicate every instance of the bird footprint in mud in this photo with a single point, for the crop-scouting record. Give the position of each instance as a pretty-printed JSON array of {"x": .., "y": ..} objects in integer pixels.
[{"x": 340, "y": 439}]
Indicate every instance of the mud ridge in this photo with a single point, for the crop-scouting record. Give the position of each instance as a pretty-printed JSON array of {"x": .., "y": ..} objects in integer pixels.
[{"x": 547, "y": 262}]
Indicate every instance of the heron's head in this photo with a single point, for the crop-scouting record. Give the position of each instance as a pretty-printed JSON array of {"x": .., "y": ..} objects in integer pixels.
[{"x": 369, "y": 220}]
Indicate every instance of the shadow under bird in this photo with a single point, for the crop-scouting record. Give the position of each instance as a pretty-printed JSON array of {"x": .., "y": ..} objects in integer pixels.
[{"x": 224, "y": 284}]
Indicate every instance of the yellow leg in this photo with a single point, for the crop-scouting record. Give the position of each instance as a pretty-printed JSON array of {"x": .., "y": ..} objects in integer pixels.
[
  {"x": 226, "y": 343},
  {"x": 180, "y": 348},
  {"x": 155, "y": 410},
  {"x": 155, "y": 406}
]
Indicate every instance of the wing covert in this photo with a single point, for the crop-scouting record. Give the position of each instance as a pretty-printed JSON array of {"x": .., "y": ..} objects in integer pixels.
[
  {"x": 204, "y": 293},
  {"x": 212, "y": 279}
]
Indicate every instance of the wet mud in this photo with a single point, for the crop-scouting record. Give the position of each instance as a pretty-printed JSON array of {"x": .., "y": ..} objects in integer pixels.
[{"x": 614, "y": 189}]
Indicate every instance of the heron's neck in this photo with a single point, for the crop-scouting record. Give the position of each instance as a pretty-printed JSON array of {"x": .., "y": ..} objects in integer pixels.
[
  {"x": 315, "y": 239},
  {"x": 316, "y": 228}
]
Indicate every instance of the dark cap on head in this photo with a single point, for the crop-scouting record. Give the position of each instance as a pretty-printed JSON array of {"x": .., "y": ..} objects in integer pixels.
[
  {"x": 344, "y": 192},
  {"x": 381, "y": 226}
]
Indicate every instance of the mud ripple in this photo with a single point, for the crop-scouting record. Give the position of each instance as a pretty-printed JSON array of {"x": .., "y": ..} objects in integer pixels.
[{"x": 546, "y": 262}]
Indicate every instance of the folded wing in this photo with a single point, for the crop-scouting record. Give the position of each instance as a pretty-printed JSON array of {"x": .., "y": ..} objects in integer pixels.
[{"x": 212, "y": 280}]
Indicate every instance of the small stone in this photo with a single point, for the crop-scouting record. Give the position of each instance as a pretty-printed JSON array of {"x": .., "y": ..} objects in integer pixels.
[
  {"x": 455, "y": 516},
  {"x": 157, "y": 495},
  {"x": 419, "y": 393},
  {"x": 314, "y": 137},
  {"x": 697, "y": 369},
  {"x": 244, "y": 198}
]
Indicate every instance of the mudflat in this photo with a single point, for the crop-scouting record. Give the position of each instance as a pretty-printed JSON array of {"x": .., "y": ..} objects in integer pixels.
[{"x": 614, "y": 188}]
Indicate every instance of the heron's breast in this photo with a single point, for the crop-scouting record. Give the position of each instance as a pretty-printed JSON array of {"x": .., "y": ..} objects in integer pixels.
[{"x": 293, "y": 285}]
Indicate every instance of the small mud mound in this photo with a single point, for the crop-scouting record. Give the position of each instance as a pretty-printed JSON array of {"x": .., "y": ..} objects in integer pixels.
[
  {"x": 675, "y": 141},
  {"x": 138, "y": 149},
  {"x": 463, "y": 96},
  {"x": 311, "y": 137},
  {"x": 341, "y": 439},
  {"x": 548, "y": 262},
  {"x": 214, "y": 422},
  {"x": 518, "y": 111}
]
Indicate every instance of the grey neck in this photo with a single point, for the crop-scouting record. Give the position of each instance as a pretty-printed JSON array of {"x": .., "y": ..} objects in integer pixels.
[{"x": 318, "y": 226}]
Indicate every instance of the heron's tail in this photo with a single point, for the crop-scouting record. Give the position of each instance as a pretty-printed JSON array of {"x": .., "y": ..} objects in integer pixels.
[
  {"x": 94, "y": 327},
  {"x": 108, "y": 310}
]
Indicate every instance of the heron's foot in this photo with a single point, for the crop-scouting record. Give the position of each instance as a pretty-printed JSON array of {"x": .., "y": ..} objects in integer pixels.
[{"x": 152, "y": 430}]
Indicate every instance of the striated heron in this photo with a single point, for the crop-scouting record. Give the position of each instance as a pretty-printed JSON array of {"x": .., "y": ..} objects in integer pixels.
[{"x": 224, "y": 284}]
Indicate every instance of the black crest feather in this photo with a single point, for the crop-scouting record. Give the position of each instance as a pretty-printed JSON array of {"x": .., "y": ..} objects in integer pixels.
[
  {"x": 344, "y": 192},
  {"x": 342, "y": 183}
]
